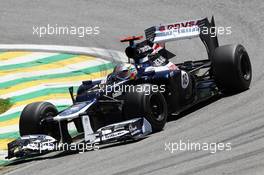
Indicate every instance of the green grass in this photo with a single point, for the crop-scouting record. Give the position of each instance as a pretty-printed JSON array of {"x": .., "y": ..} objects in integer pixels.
[{"x": 5, "y": 104}]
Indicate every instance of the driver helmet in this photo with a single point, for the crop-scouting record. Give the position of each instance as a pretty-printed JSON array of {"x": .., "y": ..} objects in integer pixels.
[{"x": 125, "y": 71}]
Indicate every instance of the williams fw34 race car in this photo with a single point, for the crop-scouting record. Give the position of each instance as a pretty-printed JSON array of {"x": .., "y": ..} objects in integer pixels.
[{"x": 137, "y": 97}]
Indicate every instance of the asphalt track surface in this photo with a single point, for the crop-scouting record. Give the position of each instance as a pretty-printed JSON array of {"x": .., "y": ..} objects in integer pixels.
[{"x": 238, "y": 119}]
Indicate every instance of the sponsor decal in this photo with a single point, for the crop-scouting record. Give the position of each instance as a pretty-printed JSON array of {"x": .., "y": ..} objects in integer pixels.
[
  {"x": 114, "y": 135},
  {"x": 132, "y": 128},
  {"x": 144, "y": 49},
  {"x": 167, "y": 33},
  {"x": 159, "y": 61},
  {"x": 178, "y": 25}
]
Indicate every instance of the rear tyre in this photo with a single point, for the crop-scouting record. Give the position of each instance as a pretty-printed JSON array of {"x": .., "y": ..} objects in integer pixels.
[
  {"x": 31, "y": 116},
  {"x": 149, "y": 104},
  {"x": 232, "y": 68}
]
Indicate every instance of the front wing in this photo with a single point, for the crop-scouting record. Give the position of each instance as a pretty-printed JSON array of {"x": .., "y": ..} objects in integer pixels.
[{"x": 31, "y": 145}]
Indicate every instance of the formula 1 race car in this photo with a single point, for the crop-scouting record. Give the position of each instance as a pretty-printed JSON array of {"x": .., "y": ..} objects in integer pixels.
[{"x": 136, "y": 98}]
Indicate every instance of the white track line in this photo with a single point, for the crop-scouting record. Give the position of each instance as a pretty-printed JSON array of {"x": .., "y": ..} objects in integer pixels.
[
  {"x": 43, "y": 86},
  {"x": 27, "y": 58},
  {"x": 15, "y": 128},
  {"x": 56, "y": 102},
  {"x": 39, "y": 87},
  {"x": 104, "y": 53},
  {"x": 12, "y": 110},
  {"x": 66, "y": 69},
  {"x": 109, "y": 54},
  {"x": 10, "y": 128}
]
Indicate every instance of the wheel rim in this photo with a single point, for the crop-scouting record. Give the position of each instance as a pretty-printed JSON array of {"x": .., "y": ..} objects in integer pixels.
[
  {"x": 245, "y": 67},
  {"x": 49, "y": 128},
  {"x": 157, "y": 107}
]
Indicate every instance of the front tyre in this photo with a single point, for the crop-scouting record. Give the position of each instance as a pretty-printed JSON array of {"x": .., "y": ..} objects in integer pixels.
[
  {"x": 31, "y": 116},
  {"x": 149, "y": 104}
]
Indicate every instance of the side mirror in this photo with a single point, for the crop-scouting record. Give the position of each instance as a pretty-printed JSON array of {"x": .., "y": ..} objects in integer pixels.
[{"x": 71, "y": 93}]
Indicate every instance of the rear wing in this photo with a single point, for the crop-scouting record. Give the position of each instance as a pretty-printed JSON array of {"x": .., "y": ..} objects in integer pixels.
[
  {"x": 185, "y": 30},
  {"x": 174, "y": 31}
]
